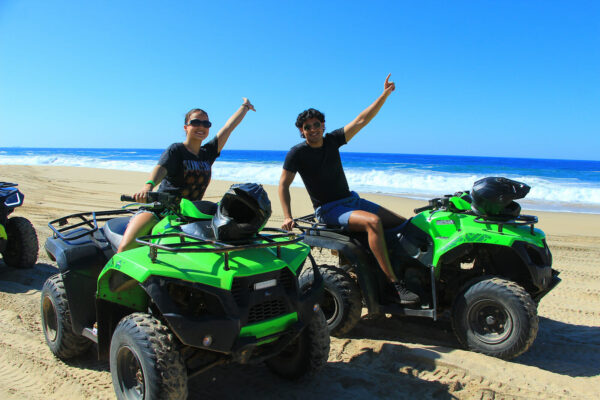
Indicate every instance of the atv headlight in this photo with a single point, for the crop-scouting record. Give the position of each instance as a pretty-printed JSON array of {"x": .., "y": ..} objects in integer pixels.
[
  {"x": 188, "y": 300},
  {"x": 192, "y": 301}
]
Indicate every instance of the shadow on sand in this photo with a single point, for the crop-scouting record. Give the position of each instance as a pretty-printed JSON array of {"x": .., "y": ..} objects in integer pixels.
[
  {"x": 13, "y": 280},
  {"x": 566, "y": 349},
  {"x": 368, "y": 374},
  {"x": 561, "y": 348}
]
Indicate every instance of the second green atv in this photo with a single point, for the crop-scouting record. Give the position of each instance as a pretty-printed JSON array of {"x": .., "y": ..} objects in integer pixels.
[
  {"x": 471, "y": 256},
  {"x": 202, "y": 290}
]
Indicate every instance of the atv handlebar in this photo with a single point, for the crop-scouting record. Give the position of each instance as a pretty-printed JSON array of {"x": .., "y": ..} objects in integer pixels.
[
  {"x": 421, "y": 209},
  {"x": 153, "y": 197}
]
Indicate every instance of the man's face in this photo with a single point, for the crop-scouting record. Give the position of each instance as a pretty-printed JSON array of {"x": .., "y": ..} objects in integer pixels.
[{"x": 313, "y": 129}]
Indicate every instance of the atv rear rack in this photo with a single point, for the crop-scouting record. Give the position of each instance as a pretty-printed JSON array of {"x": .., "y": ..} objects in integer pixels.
[
  {"x": 530, "y": 220},
  {"x": 88, "y": 219},
  {"x": 194, "y": 243},
  {"x": 310, "y": 220}
]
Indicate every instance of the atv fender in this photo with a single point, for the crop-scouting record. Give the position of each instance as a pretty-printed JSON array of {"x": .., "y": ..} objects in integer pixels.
[{"x": 80, "y": 262}]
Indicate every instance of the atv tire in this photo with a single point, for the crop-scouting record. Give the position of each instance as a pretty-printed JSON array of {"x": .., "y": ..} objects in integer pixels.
[
  {"x": 145, "y": 362},
  {"x": 56, "y": 321},
  {"x": 306, "y": 354},
  {"x": 342, "y": 301},
  {"x": 496, "y": 317},
  {"x": 21, "y": 244}
]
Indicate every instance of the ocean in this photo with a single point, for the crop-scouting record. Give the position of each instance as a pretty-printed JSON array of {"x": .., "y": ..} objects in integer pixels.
[{"x": 556, "y": 185}]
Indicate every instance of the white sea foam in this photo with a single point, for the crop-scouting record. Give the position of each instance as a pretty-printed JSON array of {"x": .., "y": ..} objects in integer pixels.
[
  {"x": 78, "y": 161},
  {"x": 419, "y": 183},
  {"x": 546, "y": 193}
]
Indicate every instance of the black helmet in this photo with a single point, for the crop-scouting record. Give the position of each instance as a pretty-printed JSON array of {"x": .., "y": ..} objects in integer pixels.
[
  {"x": 494, "y": 197},
  {"x": 242, "y": 212}
]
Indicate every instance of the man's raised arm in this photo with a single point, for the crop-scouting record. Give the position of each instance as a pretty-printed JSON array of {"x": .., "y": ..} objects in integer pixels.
[{"x": 367, "y": 115}]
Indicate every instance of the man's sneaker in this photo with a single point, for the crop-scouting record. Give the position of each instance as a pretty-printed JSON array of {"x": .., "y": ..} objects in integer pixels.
[{"x": 405, "y": 295}]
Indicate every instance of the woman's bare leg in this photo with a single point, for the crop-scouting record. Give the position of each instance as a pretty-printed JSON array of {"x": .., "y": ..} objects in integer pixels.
[{"x": 140, "y": 225}]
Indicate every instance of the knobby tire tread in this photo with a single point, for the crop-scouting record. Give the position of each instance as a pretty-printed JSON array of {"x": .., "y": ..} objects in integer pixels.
[
  {"x": 69, "y": 343},
  {"x": 339, "y": 280},
  {"x": 504, "y": 288},
  {"x": 22, "y": 243},
  {"x": 160, "y": 347}
]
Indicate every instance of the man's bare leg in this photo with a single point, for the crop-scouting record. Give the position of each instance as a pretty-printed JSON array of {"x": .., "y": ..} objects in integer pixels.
[{"x": 363, "y": 221}]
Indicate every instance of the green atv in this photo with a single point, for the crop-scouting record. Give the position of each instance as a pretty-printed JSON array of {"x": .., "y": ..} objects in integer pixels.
[
  {"x": 470, "y": 256},
  {"x": 18, "y": 240},
  {"x": 201, "y": 291}
]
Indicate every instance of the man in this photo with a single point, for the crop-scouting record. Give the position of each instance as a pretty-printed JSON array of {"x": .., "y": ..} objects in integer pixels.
[{"x": 317, "y": 159}]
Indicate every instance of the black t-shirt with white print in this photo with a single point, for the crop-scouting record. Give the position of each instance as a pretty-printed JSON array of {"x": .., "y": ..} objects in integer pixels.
[
  {"x": 188, "y": 174},
  {"x": 320, "y": 168}
]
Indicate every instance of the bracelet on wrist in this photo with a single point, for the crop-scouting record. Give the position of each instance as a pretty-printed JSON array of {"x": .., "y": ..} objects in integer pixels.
[{"x": 150, "y": 181}]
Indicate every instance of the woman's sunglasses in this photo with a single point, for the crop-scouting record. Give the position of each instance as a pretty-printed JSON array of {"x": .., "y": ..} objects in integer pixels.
[
  {"x": 308, "y": 127},
  {"x": 200, "y": 122}
]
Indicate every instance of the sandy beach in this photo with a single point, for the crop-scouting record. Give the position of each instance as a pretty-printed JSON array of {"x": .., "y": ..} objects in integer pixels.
[{"x": 389, "y": 359}]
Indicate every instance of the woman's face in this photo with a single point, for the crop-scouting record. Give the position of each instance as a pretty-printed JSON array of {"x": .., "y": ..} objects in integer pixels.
[{"x": 196, "y": 132}]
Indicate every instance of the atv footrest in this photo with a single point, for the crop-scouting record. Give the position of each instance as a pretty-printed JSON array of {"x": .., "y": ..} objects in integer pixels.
[
  {"x": 397, "y": 309},
  {"x": 88, "y": 333}
]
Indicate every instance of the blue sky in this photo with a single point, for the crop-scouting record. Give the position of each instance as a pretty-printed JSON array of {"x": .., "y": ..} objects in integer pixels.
[{"x": 487, "y": 78}]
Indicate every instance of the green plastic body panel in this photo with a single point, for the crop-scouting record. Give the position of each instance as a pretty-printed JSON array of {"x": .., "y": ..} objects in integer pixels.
[
  {"x": 204, "y": 268},
  {"x": 459, "y": 203},
  {"x": 132, "y": 296},
  {"x": 449, "y": 230}
]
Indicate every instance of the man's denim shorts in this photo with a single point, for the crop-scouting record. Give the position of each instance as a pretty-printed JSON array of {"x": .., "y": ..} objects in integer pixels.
[{"x": 338, "y": 212}]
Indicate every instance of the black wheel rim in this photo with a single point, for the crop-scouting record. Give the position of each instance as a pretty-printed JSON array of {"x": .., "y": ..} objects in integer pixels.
[
  {"x": 50, "y": 322},
  {"x": 490, "y": 322},
  {"x": 330, "y": 307},
  {"x": 130, "y": 374}
]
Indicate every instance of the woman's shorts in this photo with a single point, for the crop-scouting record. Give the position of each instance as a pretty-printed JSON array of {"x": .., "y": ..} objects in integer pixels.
[
  {"x": 144, "y": 211},
  {"x": 338, "y": 212}
]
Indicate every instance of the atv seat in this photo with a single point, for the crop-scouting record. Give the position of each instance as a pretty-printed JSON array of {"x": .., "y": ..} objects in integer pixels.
[
  {"x": 114, "y": 229},
  {"x": 206, "y": 207},
  {"x": 200, "y": 229}
]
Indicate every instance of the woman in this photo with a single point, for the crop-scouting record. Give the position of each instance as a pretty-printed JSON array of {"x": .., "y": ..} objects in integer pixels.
[{"x": 183, "y": 167}]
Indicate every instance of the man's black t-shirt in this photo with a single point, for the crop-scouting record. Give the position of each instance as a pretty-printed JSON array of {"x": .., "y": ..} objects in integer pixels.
[
  {"x": 187, "y": 173},
  {"x": 320, "y": 168}
]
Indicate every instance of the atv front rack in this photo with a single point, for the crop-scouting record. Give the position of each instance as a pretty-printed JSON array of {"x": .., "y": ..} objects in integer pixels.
[
  {"x": 194, "y": 244},
  {"x": 88, "y": 219}
]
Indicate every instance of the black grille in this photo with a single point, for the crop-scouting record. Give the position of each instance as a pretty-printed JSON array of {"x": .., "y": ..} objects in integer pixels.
[
  {"x": 242, "y": 287},
  {"x": 239, "y": 289},
  {"x": 266, "y": 310},
  {"x": 286, "y": 279}
]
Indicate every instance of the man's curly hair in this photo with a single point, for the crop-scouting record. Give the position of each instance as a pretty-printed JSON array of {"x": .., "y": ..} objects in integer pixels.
[{"x": 306, "y": 115}]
